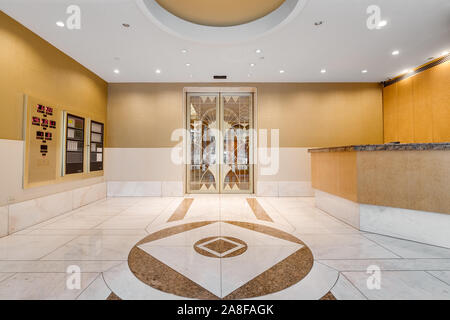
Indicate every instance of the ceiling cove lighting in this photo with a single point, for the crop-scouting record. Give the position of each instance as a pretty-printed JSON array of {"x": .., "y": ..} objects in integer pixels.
[
  {"x": 445, "y": 53},
  {"x": 395, "y": 53},
  {"x": 60, "y": 24},
  {"x": 406, "y": 71}
]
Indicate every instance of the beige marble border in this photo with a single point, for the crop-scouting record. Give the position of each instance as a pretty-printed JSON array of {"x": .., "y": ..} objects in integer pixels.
[
  {"x": 181, "y": 211},
  {"x": 258, "y": 210}
]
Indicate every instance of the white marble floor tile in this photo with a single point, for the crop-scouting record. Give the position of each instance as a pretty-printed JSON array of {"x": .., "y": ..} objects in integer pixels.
[
  {"x": 4, "y": 276},
  {"x": 345, "y": 290},
  {"x": 83, "y": 222},
  {"x": 24, "y": 247},
  {"x": 410, "y": 249},
  {"x": 97, "y": 290},
  {"x": 339, "y": 246},
  {"x": 42, "y": 266},
  {"x": 103, "y": 247},
  {"x": 389, "y": 264},
  {"x": 202, "y": 270},
  {"x": 402, "y": 285},
  {"x": 314, "y": 286},
  {"x": 42, "y": 286},
  {"x": 442, "y": 275},
  {"x": 188, "y": 238},
  {"x": 127, "y": 222},
  {"x": 239, "y": 270}
]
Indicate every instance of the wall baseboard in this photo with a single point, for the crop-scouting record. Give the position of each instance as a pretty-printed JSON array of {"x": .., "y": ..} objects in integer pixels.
[
  {"x": 145, "y": 189},
  {"x": 284, "y": 189}
]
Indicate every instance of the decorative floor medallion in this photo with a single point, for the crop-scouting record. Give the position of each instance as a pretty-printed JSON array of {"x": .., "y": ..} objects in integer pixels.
[
  {"x": 220, "y": 260},
  {"x": 220, "y": 247}
]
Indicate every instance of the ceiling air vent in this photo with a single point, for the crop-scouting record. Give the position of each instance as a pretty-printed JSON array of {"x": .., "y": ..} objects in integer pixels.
[{"x": 220, "y": 77}]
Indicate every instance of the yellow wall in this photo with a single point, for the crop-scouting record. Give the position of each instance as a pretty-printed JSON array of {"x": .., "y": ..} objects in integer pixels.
[
  {"x": 143, "y": 115},
  {"x": 417, "y": 109},
  {"x": 31, "y": 65}
]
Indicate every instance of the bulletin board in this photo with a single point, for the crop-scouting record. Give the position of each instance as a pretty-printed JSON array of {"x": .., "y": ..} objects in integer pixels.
[
  {"x": 45, "y": 147},
  {"x": 42, "y": 140}
]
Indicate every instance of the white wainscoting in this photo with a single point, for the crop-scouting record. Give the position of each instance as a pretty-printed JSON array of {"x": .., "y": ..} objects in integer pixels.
[
  {"x": 25, "y": 214},
  {"x": 420, "y": 226},
  {"x": 284, "y": 189}
]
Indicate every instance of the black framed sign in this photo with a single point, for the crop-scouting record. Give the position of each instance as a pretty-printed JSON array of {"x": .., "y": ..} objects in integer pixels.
[
  {"x": 96, "y": 147},
  {"x": 74, "y": 144}
]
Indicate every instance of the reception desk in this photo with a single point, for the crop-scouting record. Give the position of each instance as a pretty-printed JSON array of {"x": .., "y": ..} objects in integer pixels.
[{"x": 400, "y": 190}]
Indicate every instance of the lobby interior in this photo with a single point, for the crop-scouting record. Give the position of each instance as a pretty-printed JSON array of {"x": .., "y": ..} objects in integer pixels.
[{"x": 252, "y": 149}]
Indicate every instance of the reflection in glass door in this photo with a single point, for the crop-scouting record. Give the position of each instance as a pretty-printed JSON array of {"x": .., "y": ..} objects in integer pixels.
[
  {"x": 203, "y": 168},
  {"x": 220, "y": 143},
  {"x": 236, "y": 171}
]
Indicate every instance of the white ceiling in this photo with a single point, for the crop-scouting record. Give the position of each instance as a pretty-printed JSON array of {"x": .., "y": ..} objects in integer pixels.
[{"x": 343, "y": 45}]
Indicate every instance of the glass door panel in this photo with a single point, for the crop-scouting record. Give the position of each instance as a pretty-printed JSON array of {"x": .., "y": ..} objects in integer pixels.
[
  {"x": 203, "y": 126},
  {"x": 236, "y": 147}
]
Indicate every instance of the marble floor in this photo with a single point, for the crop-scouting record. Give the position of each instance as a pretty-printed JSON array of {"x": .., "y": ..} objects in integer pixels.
[{"x": 214, "y": 247}]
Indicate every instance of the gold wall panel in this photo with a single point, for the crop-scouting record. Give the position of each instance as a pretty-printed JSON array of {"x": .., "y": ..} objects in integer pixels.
[
  {"x": 335, "y": 173},
  {"x": 415, "y": 180},
  {"x": 220, "y": 13},
  {"x": 31, "y": 65},
  {"x": 41, "y": 166},
  {"x": 417, "y": 109},
  {"x": 144, "y": 115}
]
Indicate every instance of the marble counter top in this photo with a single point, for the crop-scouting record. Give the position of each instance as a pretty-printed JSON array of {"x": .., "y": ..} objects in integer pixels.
[{"x": 387, "y": 147}]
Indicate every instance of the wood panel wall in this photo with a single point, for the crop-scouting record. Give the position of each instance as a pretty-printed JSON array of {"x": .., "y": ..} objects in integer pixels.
[{"x": 417, "y": 109}]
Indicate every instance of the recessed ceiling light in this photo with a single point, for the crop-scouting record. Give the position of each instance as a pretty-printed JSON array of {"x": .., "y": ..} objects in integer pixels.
[
  {"x": 318, "y": 23},
  {"x": 188, "y": 64},
  {"x": 158, "y": 71},
  {"x": 116, "y": 71},
  {"x": 395, "y": 52},
  {"x": 382, "y": 24},
  {"x": 60, "y": 24},
  {"x": 252, "y": 64},
  {"x": 282, "y": 71},
  {"x": 323, "y": 71},
  {"x": 258, "y": 51},
  {"x": 445, "y": 53},
  {"x": 184, "y": 51},
  {"x": 364, "y": 71},
  {"x": 126, "y": 25}
]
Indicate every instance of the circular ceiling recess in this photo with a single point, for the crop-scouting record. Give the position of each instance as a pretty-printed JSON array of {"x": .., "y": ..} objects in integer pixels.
[
  {"x": 220, "y": 13},
  {"x": 221, "y": 21}
]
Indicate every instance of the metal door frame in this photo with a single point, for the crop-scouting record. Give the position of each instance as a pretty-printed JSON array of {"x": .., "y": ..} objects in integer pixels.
[{"x": 220, "y": 91}]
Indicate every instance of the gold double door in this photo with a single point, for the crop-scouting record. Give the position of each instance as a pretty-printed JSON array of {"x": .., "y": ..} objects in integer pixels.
[{"x": 220, "y": 143}]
